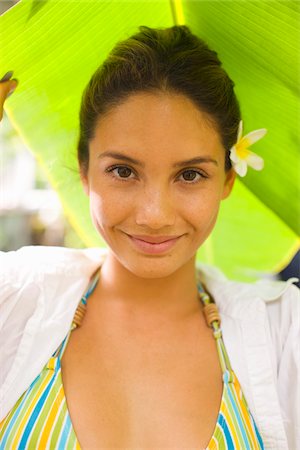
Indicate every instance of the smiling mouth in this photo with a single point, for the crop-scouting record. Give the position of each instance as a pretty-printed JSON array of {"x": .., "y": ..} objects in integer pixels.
[
  {"x": 152, "y": 239},
  {"x": 153, "y": 247}
]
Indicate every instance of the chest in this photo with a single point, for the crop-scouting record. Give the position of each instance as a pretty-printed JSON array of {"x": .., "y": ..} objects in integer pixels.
[{"x": 153, "y": 391}]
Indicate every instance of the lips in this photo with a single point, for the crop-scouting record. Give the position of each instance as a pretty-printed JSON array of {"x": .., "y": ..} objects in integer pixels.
[
  {"x": 152, "y": 239},
  {"x": 161, "y": 244}
]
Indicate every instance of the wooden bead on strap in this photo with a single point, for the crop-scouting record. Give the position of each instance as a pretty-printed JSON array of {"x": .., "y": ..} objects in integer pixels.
[
  {"x": 79, "y": 314},
  {"x": 211, "y": 314}
]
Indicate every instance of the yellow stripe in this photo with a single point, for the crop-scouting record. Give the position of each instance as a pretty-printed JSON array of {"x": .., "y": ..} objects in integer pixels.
[
  {"x": 51, "y": 363},
  {"x": 213, "y": 444},
  {"x": 23, "y": 423},
  {"x": 51, "y": 419},
  {"x": 58, "y": 423}
]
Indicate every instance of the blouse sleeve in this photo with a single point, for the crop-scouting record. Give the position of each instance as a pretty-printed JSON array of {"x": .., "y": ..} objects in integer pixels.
[
  {"x": 18, "y": 301},
  {"x": 284, "y": 319}
]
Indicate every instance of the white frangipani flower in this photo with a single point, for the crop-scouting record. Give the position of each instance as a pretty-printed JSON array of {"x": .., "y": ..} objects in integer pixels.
[{"x": 241, "y": 157}]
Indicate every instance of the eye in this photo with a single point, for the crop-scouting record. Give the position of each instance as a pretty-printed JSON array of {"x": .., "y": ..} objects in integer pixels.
[
  {"x": 122, "y": 171},
  {"x": 190, "y": 176}
]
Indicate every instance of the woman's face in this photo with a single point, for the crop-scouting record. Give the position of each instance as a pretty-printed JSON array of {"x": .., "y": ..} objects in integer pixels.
[{"x": 149, "y": 188}]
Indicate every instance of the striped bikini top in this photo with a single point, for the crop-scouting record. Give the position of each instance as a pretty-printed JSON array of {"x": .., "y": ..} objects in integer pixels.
[{"x": 40, "y": 418}]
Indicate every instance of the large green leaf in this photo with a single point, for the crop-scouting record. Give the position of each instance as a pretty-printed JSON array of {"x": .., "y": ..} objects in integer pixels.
[{"x": 54, "y": 47}]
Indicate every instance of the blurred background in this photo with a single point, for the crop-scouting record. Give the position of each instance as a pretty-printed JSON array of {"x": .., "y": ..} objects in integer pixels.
[{"x": 30, "y": 210}]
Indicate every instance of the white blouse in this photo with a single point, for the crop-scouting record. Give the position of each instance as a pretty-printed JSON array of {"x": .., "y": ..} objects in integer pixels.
[{"x": 40, "y": 288}]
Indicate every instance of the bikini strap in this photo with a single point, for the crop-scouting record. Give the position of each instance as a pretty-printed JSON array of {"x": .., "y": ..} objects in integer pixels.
[
  {"x": 79, "y": 313},
  {"x": 81, "y": 308},
  {"x": 213, "y": 320}
]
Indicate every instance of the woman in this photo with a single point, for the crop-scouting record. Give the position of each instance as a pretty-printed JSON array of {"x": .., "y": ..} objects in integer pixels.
[{"x": 139, "y": 361}]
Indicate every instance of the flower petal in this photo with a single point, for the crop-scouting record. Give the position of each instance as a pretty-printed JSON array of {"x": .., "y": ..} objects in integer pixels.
[
  {"x": 233, "y": 155},
  {"x": 255, "y": 161},
  {"x": 253, "y": 136},
  {"x": 240, "y": 131},
  {"x": 241, "y": 168}
]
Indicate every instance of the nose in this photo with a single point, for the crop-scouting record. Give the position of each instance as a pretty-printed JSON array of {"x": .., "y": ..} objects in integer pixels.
[{"x": 155, "y": 209}]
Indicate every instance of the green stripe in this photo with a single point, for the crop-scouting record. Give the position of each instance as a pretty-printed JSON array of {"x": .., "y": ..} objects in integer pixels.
[
  {"x": 220, "y": 438},
  {"x": 72, "y": 440},
  {"x": 225, "y": 355}
]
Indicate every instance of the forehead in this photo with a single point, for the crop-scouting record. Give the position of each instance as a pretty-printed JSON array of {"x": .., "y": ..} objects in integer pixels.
[{"x": 156, "y": 125}]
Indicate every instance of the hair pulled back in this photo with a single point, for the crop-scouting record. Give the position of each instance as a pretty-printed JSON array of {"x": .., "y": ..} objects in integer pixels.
[{"x": 169, "y": 60}]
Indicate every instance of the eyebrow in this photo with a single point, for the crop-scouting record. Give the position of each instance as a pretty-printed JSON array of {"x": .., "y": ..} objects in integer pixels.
[{"x": 121, "y": 156}]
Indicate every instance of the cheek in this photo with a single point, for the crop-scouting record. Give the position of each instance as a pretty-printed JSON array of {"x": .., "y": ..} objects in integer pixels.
[
  {"x": 106, "y": 207},
  {"x": 202, "y": 205},
  {"x": 201, "y": 211}
]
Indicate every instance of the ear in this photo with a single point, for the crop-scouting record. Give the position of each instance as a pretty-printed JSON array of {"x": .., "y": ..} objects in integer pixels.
[
  {"x": 85, "y": 183},
  {"x": 228, "y": 183}
]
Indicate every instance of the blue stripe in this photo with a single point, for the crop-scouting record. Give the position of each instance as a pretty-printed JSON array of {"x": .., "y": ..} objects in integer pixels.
[
  {"x": 225, "y": 429},
  {"x": 65, "y": 433},
  {"x": 35, "y": 413}
]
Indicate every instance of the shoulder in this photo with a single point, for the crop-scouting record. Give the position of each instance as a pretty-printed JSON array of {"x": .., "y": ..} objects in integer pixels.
[
  {"x": 34, "y": 261},
  {"x": 261, "y": 329},
  {"x": 234, "y": 297},
  {"x": 40, "y": 290},
  {"x": 37, "y": 275},
  {"x": 282, "y": 300},
  {"x": 260, "y": 319},
  {"x": 36, "y": 279}
]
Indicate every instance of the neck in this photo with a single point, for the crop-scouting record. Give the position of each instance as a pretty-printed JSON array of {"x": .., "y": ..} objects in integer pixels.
[{"x": 174, "y": 296}]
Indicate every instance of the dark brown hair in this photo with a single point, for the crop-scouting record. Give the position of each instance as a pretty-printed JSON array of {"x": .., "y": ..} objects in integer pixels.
[{"x": 161, "y": 59}]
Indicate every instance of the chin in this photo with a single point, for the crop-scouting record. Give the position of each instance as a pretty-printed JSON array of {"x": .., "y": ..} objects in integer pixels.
[
  {"x": 152, "y": 267},
  {"x": 151, "y": 271}
]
